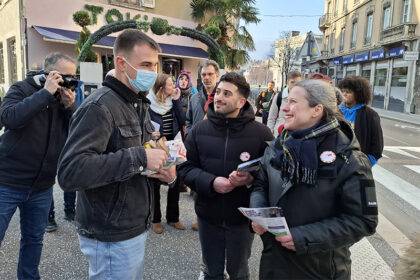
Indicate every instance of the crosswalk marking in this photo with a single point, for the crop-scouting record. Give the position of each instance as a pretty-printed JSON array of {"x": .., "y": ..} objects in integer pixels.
[
  {"x": 415, "y": 168},
  {"x": 399, "y": 151},
  {"x": 400, "y": 187},
  {"x": 392, "y": 235}
]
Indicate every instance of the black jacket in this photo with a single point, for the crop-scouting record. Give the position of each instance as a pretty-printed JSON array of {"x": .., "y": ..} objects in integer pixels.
[
  {"x": 36, "y": 126},
  {"x": 178, "y": 117},
  {"x": 102, "y": 160},
  {"x": 325, "y": 219},
  {"x": 214, "y": 147},
  {"x": 368, "y": 130}
]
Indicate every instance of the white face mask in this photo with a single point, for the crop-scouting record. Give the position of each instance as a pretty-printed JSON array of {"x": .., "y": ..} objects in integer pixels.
[{"x": 144, "y": 79}]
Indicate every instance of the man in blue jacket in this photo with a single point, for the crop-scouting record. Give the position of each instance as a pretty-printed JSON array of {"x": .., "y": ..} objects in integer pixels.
[{"x": 36, "y": 114}]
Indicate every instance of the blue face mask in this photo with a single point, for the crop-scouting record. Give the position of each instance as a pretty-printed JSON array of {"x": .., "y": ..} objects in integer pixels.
[{"x": 144, "y": 79}]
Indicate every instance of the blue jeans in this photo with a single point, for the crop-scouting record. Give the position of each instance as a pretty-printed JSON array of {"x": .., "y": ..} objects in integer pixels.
[
  {"x": 69, "y": 202},
  {"x": 265, "y": 117},
  {"x": 115, "y": 260},
  {"x": 222, "y": 244},
  {"x": 33, "y": 207}
]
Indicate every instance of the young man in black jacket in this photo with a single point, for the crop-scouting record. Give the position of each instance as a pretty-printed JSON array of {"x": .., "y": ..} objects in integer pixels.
[
  {"x": 103, "y": 159},
  {"x": 215, "y": 147},
  {"x": 36, "y": 114}
]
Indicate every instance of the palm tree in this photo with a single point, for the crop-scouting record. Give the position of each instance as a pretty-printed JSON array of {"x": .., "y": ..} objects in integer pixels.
[{"x": 228, "y": 15}]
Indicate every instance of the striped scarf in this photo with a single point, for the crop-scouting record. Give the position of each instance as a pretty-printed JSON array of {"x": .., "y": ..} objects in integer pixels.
[{"x": 296, "y": 152}]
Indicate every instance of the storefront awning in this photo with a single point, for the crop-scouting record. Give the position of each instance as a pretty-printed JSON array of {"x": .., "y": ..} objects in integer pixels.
[{"x": 68, "y": 36}]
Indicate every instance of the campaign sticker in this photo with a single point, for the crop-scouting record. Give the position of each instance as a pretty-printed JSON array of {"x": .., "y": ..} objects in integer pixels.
[
  {"x": 328, "y": 157},
  {"x": 245, "y": 156}
]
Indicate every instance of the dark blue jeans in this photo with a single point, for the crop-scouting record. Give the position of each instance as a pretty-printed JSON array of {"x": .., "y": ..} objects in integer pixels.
[
  {"x": 265, "y": 117},
  {"x": 69, "y": 202},
  {"x": 33, "y": 208}
]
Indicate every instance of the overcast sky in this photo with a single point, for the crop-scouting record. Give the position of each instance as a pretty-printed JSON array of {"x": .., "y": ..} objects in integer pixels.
[{"x": 270, "y": 28}]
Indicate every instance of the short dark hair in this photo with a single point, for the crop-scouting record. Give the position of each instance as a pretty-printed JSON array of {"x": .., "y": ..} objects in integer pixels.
[
  {"x": 52, "y": 59},
  {"x": 209, "y": 62},
  {"x": 293, "y": 75},
  {"x": 272, "y": 82},
  {"x": 126, "y": 41},
  {"x": 239, "y": 81},
  {"x": 360, "y": 86}
]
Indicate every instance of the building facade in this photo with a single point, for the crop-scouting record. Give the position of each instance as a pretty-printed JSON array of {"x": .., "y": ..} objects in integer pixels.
[
  {"x": 379, "y": 40},
  {"x": 30, "y": 30}
]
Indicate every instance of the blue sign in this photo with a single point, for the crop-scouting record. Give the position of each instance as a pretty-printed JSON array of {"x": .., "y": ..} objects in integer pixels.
[
  {"x": 348, "y": 59},
  {"x": 396, "y": 52},
  {"x": 363, "y": 56},
  {"x": 379, "y": 54},
  {"x": 338, "y": 60}
]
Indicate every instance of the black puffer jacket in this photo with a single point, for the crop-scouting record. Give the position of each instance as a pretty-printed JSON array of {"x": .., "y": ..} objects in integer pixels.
[
  {"x": 325, "y": 219},
  {"x": 214, "y": 147},
  {"x": 36, "y": 126}
]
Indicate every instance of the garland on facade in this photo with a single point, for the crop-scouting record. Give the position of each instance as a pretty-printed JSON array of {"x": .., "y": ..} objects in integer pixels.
[
  {"x": 113, "y": 12},
  {"x": 96, "y": 10},
  {"x": 158, "y": 27}
]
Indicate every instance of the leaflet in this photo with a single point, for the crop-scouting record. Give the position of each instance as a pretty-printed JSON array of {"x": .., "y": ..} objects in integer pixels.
[{"x": 270, "y": 218}]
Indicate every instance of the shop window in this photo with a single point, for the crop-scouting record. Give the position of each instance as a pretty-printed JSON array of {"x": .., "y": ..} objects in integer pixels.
[
  {"x": 398, "y": 89},
  {"x": 351, "y": 73},
  {"x": 107, "y": 63},
  {"x": 1, "y": 64},
  {"x": 399, "y": 77},
  {"x": 368, "y": 37},
  {"x": 366, "y": 74},
  {"x": 172, "y": 66},
  {"x": 379, "y": 88},
  {"x": 406, "y": 9},
  {"x": 11, "y": 54}
]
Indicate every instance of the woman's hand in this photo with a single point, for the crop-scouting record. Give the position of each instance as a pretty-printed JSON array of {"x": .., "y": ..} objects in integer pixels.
[
  {"x": 287, "y": 242},
  {"x": 177, "y": 94},
  {"x": 155, "y": 135},
  {"x": 257, "y": 228}
]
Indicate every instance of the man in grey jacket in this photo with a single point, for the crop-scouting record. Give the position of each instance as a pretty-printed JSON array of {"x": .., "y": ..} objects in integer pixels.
[
  {"x": 197, "y": 107},
  {"x": 103, "y": 160},
  {"x": 275, "y": 115}
]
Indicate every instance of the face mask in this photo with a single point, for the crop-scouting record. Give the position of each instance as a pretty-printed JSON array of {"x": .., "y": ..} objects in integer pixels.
[{"x": 144, "y": 79}]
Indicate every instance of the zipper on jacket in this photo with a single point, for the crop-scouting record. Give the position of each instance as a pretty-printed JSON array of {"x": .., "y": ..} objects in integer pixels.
[{"x": 224, "y": 167}]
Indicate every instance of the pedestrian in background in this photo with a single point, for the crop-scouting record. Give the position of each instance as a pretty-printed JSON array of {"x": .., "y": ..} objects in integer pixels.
[
  {"x": 104, "y": 157},
  {"x": 366, "y": 123},
  {"x": 275, "y": 114},
  {"x": 315, "y": 172},
  {"x": 166, "y": 110},
  {"x": 215, "y": 147},
  {"x": 36, "y": 114},
  {"x": 264, "y": 101}
]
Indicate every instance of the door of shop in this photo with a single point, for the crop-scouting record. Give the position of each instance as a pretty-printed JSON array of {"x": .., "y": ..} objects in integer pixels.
[{"x": 379, "y": 89}]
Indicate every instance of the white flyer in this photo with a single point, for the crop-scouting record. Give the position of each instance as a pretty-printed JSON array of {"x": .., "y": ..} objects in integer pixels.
[{"x": 270, "y": 218}]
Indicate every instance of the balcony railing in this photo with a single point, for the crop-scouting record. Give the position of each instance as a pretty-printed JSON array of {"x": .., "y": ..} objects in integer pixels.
[
  {"x": 400, "y": 32},
  {"x": 324, "y": 22}
]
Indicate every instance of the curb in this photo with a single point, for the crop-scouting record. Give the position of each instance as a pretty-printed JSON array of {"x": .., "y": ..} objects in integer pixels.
[{"x": 413, "y": 122}]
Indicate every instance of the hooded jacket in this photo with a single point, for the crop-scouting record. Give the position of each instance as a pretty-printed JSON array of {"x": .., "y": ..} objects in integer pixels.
[
  {"x": 324, "y": 219},
  {"x": 36, "y": 126},
  {"x": 214, "y": 148}
]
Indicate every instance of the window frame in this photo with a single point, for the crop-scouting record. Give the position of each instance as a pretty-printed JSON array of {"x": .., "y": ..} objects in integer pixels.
[
  {"x": 408, "y": 15},
  {"x": 386, "y": 8},
  {"x": 342, "y": 38},
  {"x": 353, "y": 34},
  {"x": 369, "y": 28}
]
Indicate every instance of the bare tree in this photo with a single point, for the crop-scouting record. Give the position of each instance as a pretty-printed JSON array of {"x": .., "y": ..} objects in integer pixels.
[{"x": 283, "y": 53}]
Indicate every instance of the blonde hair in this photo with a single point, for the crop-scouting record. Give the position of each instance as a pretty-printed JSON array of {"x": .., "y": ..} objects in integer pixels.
[{"x": 158, "y": 87}]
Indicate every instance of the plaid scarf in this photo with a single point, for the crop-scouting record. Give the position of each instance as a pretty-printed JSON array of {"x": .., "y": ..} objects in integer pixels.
[{"x": 296, "y": 152}]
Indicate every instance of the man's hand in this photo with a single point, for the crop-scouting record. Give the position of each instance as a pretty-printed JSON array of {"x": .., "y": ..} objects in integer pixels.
[
  {"x": 287, "y": 242},
  {"x": 52, "y": 82},
  {"x": 155, "y": 135},
  {"x": 165, "y": 175},
  {"x": 222, "y": 185},
  {"x": 258, "y": 229},
  {"x": 156, "y": 159},
  {"x": 260, "y": 111},
  {"x": 67, "y": 97},
  {"x": 238, "y": 178}
]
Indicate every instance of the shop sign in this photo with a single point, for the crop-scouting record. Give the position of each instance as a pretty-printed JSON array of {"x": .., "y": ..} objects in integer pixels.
[
  {"x": 338, "y": 60},
  {"x": 412, "y": 56},
  {"x": 363, "y": 56},
  {"x": 348, "y": 59},
  {"x": 379, "y": 54},
  {"x": 396, "y": 52}
]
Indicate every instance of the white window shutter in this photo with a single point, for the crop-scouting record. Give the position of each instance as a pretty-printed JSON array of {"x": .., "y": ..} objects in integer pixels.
[{"x": 148, "y": 3}]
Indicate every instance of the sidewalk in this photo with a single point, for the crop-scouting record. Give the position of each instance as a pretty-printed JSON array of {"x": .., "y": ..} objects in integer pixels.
[{"x": 397, "y": 116}]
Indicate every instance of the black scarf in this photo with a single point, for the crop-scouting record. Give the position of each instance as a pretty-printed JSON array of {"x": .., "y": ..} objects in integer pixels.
[{"x": 296, "y": 152}]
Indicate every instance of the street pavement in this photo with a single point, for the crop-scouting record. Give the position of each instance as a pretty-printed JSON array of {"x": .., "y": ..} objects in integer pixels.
[{"x": 176, "y": 254}]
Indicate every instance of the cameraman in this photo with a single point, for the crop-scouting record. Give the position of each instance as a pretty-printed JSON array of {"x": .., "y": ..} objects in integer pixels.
[{"x": 36, "y": 114}]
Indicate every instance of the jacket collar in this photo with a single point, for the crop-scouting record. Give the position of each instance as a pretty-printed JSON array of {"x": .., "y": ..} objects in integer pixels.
[
  {"x": 245, "y": 116},
  {"x": 124, "y": 91}
]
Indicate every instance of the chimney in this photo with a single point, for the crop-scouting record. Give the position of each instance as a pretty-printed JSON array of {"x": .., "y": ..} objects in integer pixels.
[{"x": 295, "y": 33}]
